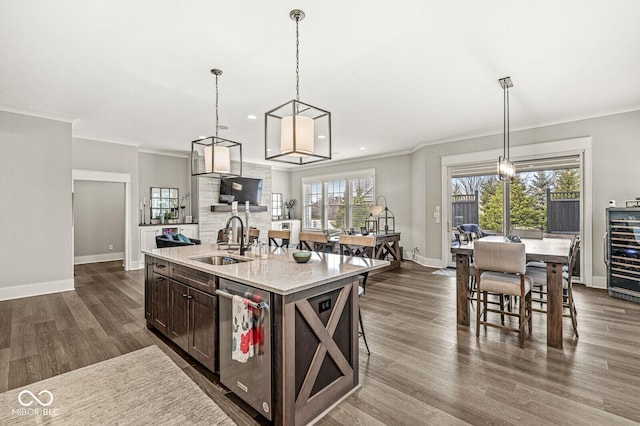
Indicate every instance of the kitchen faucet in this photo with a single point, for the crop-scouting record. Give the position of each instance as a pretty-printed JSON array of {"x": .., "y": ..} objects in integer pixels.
[{"x": 226, "y": 231}]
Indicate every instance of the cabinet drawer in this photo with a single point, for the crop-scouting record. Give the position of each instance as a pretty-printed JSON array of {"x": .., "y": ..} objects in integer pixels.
[
  {"x": 200, "y": 280},
  {"x": 161, "y": 267}
]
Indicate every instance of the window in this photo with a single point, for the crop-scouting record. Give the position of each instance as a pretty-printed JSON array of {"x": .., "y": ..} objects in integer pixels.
[
  {"x": 164, "y": 202},
  {"x": 276, "y": 206},
  {"x": 338, "y": 202}
]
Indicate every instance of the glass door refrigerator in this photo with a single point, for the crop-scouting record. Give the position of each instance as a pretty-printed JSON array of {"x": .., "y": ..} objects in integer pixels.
[{"x": 622, "y": 253}]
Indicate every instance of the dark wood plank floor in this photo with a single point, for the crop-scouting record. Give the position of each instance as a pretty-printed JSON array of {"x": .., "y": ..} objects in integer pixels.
[{"x": 423, "y": 368}]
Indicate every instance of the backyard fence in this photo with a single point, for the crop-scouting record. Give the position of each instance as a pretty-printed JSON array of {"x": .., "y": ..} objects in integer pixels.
[
  {"x": 464, "y": 209},
  {"x": 563, "y": 212}
]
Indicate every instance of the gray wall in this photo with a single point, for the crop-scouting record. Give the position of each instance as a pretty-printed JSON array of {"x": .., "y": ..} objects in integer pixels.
[
  {"x": 98, "y": 215},
  {"x": 109, "y": 157},
  {"x": 393, "y": 180},
  {"x": 166, "y": 172},
  {"x": 615, "y": 152},
  {"x": 35, "y": 178}
]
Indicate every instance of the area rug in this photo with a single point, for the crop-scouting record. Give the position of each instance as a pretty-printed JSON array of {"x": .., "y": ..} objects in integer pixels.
[
  {"x": 449, "y": 272},
  {"x": 139, "y": 388}
]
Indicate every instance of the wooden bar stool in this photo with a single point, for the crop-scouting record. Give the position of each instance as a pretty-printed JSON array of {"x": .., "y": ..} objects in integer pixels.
[
  {"x": 254, "y": 234},
  {"x": 275, "y": 235},
  {"x": 314, "y": 241},
  {"x": 359, "y": 246}
]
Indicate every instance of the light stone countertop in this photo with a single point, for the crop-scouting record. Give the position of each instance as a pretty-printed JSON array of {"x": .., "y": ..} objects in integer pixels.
[{"x": 279, "y": 273}]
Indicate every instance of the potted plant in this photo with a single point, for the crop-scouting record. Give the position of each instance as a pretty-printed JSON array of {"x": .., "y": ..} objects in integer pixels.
[{"x": 290, "y": 205}]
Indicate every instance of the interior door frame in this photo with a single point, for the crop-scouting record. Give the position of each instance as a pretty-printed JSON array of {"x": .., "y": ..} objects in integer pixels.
[
  {"x": 100, "y": 176},
  {"x": 577, "y": 146}
]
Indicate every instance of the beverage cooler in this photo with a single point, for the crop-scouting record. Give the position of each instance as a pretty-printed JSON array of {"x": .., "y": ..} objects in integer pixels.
[{"x": 622, "y": 253}]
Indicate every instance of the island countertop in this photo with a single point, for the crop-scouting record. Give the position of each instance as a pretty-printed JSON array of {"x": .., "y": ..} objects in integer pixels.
[{"x": 279, "y": 273}]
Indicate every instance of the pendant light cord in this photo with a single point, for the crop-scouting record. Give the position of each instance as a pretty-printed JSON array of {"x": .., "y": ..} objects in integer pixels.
[
  {"x": 297, "y": 60},
  {"x": 216, "y": 106}
]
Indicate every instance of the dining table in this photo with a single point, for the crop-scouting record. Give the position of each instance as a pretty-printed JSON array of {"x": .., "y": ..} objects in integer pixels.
[
  {"x": 553, "y": 251},
  {"x": 387, "y": 247}
]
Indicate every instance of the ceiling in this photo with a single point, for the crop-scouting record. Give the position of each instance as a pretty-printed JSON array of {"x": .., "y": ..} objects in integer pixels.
[{"x": 395, "y": 75}]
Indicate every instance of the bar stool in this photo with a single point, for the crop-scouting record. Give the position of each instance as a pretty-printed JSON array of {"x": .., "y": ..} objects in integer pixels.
[
  {"x": 275, "y": 235},
  {"x": 359, "y": 246},
  {"x": 254, "y": 234}
]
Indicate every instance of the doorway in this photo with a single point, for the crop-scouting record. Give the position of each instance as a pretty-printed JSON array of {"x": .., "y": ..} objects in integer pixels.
[
  {"x": 553, "y": 176},
  {"x": 100, "y": 176}
]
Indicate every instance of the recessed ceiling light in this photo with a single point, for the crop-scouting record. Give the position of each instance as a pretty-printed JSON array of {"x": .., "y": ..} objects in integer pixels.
[
  {"x": 321, "y": 137},
  {"x": 202, "y": 137},
  {"x": 269, "y": 149},
  {"x": 362, "y": 148},
  {"x": 251, "y": 117}
]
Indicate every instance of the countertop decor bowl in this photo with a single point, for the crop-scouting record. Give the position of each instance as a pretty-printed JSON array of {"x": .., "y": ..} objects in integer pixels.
[{"x": 301, "y": 256}]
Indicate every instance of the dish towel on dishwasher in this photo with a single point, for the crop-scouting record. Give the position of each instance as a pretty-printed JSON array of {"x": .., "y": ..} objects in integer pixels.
[{"x": 242, "y": 345}]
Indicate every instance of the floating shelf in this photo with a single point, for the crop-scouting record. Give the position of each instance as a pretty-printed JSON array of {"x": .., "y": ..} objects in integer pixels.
[{"x": 241, "y": 208}]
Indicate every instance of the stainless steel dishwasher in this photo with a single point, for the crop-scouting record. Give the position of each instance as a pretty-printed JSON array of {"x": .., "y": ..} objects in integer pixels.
[{"x": 251, "y": 381}]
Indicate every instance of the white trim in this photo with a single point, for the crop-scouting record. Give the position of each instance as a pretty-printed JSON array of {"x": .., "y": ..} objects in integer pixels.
[
  {"x": 179, "y": 154},
  {"x": 575, "y": 146},
  {"x": 428, "y": 262},
  {"x": 598, "y": 282},
  {"x": 35, "y": 289},
  {"x": 363, "y": 173},
  {"x": 101, "y": 176},
  {"x": 39, "y": 114},
  {"x": 105, "y": 140},
  {"x": 94, "y": 258}
]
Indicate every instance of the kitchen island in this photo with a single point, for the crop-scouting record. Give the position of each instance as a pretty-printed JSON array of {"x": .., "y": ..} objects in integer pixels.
[{"x": 308, "y": 314}]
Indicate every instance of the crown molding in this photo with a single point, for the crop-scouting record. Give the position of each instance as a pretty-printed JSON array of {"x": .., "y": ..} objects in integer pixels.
[{"x": 36, "y": 113}]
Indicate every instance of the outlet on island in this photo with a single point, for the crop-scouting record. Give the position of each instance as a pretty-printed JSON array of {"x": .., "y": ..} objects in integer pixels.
[{"x": 110, "y": 246}]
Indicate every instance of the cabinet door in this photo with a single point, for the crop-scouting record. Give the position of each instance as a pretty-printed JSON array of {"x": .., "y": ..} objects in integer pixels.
[
  {"x": 148, "y": 238},
  {"x": 160, "y": 308},
  {"x": 178, "y": 307},
  {"x": 189, "y": 231},
  {"x": 148, "y": 290},
  {"x": 202, "y": 327}
]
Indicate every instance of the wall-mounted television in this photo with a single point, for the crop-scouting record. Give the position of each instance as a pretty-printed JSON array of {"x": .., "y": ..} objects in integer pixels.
[{"x": 242, "y": 189}]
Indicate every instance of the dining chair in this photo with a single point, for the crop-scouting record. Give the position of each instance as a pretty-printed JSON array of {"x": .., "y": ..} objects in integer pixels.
[
  {"x": 539, "y": 277},
  {"x": 359, "y": 246},
  {"x": 254, "y": 234},
  {"x": 314, "y": 241},
  {"x": 275, "y": 235},
  {"x": 501, "y": 268}
]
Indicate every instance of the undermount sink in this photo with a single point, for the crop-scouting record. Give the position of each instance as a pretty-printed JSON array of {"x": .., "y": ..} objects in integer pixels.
[{"x": 220, "y": 260}]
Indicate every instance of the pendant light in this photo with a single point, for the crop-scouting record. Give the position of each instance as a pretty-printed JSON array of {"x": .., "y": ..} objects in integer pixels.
[
  {"x": 296, "y": 132},
  {"x": 506, "y": 169},
  {"x": 214, "y": 156}
]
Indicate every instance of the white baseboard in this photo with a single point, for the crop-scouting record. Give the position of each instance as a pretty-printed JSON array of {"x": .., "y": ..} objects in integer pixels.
[
  {"x": 36, "y": 289},
  {"x": 428, "y": 262},
  {"x": 107, "y": 257}
]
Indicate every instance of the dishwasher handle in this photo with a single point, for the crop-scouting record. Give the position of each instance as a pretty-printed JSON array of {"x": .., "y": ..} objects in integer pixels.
[{"x": 257, "y": 305}]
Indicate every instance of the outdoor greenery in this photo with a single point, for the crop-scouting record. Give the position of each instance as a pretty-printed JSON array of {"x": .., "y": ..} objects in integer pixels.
[
  {"x": 360, "y": 203},
  {"x": 527, "y": 196}
]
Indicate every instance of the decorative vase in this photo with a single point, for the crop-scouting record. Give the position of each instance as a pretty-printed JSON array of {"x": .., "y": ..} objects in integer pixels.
[{"x": 289, "y": 214}]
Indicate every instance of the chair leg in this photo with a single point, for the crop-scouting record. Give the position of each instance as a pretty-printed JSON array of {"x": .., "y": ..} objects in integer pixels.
[
  {"x": 529, "y": 299},
  {"x": 521, "y": 322},
  {"x": 478, "y": 309},
  {"x": 362, "y": 332},
  {"x": 501, "y": 298},
  {"x": 572, "y": 312},
  {"x": 486, "y": 296}
]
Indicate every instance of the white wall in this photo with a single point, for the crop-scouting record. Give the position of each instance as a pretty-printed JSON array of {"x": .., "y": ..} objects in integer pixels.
[
  {"x": 163, "y": 171},
  {"x": 98, "y": 217},
  {"x": 35, "y": 176}
]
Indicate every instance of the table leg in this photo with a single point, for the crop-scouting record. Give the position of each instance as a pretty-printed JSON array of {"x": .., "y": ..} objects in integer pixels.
[
  {"x": 554, "y": 305},
  {"x": 462, "y": 284}
]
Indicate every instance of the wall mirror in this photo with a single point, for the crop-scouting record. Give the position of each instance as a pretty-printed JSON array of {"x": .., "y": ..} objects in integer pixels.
[
  {"x": 276, "y": 206},
  {"x": 164, "y": 203}
]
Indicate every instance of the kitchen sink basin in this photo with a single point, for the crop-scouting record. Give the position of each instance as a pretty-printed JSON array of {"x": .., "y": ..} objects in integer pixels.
[{"x": 220, "y": 260}]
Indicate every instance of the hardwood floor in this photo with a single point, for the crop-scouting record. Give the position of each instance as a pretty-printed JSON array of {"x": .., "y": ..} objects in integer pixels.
[{"x": 423, "y": 369}]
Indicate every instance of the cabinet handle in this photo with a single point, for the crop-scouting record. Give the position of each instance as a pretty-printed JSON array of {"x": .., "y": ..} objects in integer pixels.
[
  {"x": 184, "y": 294},
  {"x": 189, "y": 297},
  {"x": 160, "y": 279},
  {"x": 160, "y": 265}
]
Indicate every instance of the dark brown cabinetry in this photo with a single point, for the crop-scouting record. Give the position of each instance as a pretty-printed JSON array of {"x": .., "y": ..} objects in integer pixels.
[{"x": 181, "y": 312}]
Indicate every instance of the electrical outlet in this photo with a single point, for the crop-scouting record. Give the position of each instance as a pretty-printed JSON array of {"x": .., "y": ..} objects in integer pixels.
[{"x": 110, "y": 246}]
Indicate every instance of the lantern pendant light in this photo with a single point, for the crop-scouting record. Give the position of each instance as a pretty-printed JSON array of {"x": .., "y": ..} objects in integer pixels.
[
  {"x": 214, "y": 156},
  {"x": 506, "y": 170},
  {"x": 296, "y": 132}
]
